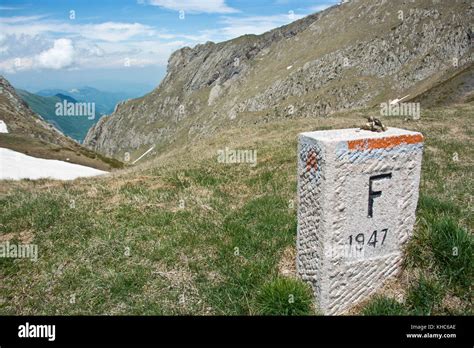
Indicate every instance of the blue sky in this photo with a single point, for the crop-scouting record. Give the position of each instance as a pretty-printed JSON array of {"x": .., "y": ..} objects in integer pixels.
[{"x": 123, "y": 44}]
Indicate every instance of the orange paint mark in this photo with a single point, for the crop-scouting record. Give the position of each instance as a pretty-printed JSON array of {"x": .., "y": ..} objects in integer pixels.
[
  {"x": 311, "y": 161},
  {"x": 383, "y": 143}
]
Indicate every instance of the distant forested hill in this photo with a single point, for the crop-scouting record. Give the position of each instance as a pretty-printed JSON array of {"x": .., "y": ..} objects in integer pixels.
[{"x": 76, "y": 127}]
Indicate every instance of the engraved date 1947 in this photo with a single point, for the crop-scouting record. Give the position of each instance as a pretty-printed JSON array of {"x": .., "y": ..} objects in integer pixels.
[{"x": 376, "y": 239}]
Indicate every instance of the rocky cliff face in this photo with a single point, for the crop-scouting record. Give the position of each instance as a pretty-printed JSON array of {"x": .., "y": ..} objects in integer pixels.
[{"x": 350, "y": 56}]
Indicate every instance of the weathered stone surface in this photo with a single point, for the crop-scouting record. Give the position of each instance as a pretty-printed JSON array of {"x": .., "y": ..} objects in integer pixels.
[{"x": 358, "y": 192}]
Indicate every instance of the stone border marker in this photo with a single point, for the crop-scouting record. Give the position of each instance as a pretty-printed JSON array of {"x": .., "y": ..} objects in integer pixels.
[{"x": 357, "y": 195}]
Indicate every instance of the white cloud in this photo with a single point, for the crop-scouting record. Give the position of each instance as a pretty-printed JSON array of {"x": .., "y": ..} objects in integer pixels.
[
  {"x": 10, "y": 8},
  {"x": 16, "y": 64},
  {"x": 237, "y": 26},
  {"x": 61, "y": 55},
  {"x": 136, "y": 53},
  {"x": 19, "y": 19},
  {"x": 107, "y": 31},
  {"x": 195, "y": 6},
  {"x": 29, "y": 43},
  {"x": 34, "y": 45},
  {"x": 113, "y": 31},
  {"x": 321, "y": 7}
]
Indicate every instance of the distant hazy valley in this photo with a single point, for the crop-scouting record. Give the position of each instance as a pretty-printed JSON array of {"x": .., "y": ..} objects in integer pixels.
[{"x": 44, "y": 104}]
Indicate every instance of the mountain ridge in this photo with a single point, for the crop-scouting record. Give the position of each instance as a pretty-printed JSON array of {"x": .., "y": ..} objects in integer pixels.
[{"x": 348, "y": 57}]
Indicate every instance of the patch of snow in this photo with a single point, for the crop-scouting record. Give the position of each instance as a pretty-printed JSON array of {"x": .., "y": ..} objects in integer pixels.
[
  {"x": 396, "y": 101},
  {"x": 3, "y": 127},
  {"x": 16, "y": 166}
]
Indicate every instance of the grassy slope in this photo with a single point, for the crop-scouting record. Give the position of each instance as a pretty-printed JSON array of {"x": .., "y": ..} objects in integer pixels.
[
  {"x": 459, "y": 88},
  {"x": 184, "y": 234}
]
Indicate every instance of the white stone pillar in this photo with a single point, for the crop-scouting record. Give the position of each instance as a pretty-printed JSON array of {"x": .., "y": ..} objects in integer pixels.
[{"x": 357, "y": 195}]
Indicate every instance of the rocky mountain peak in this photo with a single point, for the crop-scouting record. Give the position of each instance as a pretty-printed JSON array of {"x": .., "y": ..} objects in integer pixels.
[{"x": 350, "y": 56}]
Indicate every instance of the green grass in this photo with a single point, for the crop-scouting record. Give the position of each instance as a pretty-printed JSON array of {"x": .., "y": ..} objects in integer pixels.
[
  {"x": 284, "y": 296},
  {"x": 453, "y": 250},
  {"x": 174, "y": 252},
  {"x": 442, "y": 247},
  {"x": 384, "y": 306},
  {"x": 424, "y": 297}
]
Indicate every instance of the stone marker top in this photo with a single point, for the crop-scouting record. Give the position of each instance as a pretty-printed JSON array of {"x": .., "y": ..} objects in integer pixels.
[
  {"x": 357, "y": 198},
  {"x": 337, "y": 135}
]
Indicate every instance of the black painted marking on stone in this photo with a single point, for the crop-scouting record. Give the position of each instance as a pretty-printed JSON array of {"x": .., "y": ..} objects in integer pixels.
[{"x": 375, "y": 194}]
